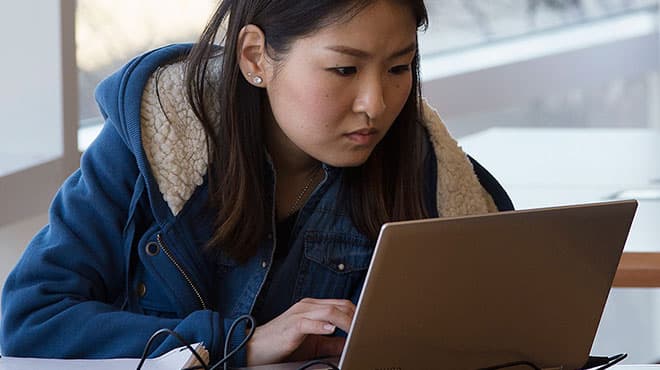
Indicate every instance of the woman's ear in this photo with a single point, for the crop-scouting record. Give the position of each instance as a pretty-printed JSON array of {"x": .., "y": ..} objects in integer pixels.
[{"x": 251, "y": 52}]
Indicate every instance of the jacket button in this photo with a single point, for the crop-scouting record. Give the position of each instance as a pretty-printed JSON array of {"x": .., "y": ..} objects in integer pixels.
[
  {"x": 152, "y": 248},
  {"x": 141, "y": 289},
  {"x": 264, "y": 264},
  {"x": 341, "y": 267}
]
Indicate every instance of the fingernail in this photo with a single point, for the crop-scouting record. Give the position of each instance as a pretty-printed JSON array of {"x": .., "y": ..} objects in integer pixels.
[{"x": 329, "y": 327}]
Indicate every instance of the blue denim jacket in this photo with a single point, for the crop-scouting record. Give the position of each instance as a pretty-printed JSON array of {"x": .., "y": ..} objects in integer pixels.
[{"x": 114, "y": 264}]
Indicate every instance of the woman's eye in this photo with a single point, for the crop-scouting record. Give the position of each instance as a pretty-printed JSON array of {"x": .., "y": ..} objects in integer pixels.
[
  {"x": 397, "y": 70},
  {"x": 344, "y": 71}
]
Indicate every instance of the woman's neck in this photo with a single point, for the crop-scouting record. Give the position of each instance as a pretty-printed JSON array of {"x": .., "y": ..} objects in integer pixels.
[
  {"x": 297, "y": 172},
  {"x": 288, "y": 160}
]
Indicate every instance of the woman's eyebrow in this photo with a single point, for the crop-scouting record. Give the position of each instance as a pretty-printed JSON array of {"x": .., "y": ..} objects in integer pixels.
[{"x": 343, "y": 49}]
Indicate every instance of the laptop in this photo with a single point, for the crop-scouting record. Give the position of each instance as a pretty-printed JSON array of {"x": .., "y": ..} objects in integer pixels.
[{"x": 481, "y": 291}]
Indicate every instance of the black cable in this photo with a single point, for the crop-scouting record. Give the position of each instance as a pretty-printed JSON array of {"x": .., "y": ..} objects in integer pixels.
[
  {"x": 202, "y": 363},
  {"x": 226, "y": 355},
  {"x": 176, "y": 335},
  {"x": 604, "y": 362},
  {"x": 613, "y": 361},
  {"x": 595, "y": 361},
  {"x": 318, "y": 362}
]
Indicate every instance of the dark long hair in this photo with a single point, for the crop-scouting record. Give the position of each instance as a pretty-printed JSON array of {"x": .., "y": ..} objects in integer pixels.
[{"x": 387, "y": 187}]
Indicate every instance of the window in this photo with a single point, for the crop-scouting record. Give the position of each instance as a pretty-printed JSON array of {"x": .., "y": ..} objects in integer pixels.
[
  {"x": 460, "y": 24},
  {"x": 573, "y": 63},
  {"x": 109, "y": 33}
]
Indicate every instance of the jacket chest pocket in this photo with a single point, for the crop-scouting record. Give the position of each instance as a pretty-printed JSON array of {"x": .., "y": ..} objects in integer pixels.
[{"x": 334, "y": 265}]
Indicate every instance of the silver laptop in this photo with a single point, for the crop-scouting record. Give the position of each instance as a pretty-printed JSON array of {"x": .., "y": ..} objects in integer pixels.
[{"x": 481, "y": 291}]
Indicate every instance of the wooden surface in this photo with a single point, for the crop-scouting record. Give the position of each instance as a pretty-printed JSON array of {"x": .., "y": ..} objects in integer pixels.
[{"x": 638, "y": 270}]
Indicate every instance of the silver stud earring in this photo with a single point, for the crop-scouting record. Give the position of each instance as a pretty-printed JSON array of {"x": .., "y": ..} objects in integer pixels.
[{"x": 256, "y": 79}]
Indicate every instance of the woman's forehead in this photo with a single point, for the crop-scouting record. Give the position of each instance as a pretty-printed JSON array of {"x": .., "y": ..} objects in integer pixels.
[{"x": 381, "y": 23}]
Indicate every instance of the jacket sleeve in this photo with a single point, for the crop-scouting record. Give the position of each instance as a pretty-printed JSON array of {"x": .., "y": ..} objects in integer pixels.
[{"x": 63, "y": 299}]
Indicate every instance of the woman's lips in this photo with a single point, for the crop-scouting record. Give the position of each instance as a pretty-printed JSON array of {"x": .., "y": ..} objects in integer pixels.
[{"x": 363, "y": 136}]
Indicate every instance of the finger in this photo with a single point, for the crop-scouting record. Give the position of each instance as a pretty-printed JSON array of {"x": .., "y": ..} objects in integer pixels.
[
  {"x": 330, "y": 314},
  {"x": 341, "y": 304},
  {"x": 305, "y": 326},
  {"x": 344, "y": 305},
  {"x": 334, "y": 302}
]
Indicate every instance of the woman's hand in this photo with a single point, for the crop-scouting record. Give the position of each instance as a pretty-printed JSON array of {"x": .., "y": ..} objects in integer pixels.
[{"x": 302, "y": 332}]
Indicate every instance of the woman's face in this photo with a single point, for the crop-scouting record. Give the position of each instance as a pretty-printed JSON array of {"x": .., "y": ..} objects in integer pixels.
[{"x": 338, "y": 91}]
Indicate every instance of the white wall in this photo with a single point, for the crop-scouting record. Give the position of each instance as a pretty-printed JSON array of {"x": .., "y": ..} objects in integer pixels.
[
  {"x": 31, "y": 108},
  {"x": 38, "y": 104},
  {"x": 31, "y": 90}
]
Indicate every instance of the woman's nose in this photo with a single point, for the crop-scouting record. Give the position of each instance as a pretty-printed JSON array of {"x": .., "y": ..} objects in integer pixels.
[{"x": 370, "y": 99}]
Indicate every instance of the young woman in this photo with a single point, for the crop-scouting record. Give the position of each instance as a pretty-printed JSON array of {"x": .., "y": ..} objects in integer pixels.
[{"x": 246, "y": 174}]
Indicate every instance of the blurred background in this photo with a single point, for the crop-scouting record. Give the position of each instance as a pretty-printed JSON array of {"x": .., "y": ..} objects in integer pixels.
[
  {"x": 108, "y": 33},
  {"x": 560, "y": 99}
]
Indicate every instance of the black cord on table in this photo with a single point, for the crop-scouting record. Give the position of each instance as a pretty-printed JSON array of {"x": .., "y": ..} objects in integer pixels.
[
  {"x": 606, "y": 363},
  {"x": 202, "y": 364},
  {"x": 176, "y": 335},
  {"x": 612, "y": 361}
]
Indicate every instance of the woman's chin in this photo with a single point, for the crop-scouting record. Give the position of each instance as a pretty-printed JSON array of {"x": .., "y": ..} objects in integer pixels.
[
  {"x": 354, "y": 162},
  {"x": 346, "y": 158}
]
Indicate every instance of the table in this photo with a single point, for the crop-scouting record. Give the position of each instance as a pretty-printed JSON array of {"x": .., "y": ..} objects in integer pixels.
[{"x": 542, "y": 167}]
